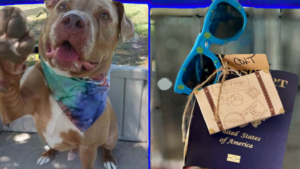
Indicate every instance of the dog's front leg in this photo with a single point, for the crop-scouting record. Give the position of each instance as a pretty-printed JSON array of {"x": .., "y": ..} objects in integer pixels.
[
  {"x": 87, "y": 156},
  {"x": 16, "y": 43}
]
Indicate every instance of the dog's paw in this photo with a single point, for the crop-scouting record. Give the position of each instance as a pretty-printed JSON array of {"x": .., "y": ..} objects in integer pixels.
[
  {"x": 110, "y": 165},
  {"x": 43, "y": 160},
  {"x": 46, "y": 157},
  {"x": 109, "y": 161},
  {"x": 16, "y": 42},
  {"x": 72, "y": 154}
]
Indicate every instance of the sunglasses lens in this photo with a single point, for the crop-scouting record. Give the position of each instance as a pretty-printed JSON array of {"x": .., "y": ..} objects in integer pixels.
[
  {"x": 226, "y": 21},
  {"x": 198, "y": 70}
]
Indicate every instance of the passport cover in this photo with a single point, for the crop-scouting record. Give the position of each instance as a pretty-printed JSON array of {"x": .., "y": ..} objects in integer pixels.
[
  {"x": 242, "y": 100},
  {"x": 258, "y": 145}
]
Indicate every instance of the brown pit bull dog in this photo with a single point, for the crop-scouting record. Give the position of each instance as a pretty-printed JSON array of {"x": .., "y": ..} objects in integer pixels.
[{"x": 76, "y": 44}]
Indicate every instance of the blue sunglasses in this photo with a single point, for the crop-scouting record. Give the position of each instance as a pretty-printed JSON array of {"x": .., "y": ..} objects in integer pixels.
[{"x": 225, "y": 21}]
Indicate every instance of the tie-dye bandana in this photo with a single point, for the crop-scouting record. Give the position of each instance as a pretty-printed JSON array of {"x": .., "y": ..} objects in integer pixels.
[{"x": 82, "y": 100}]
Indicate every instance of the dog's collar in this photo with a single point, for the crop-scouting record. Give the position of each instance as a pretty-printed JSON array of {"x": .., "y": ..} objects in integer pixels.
[{"x": 82, "y": 100}]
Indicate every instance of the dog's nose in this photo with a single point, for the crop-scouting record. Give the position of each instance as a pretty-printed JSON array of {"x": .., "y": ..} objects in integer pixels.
[{"x": 73, "y": 22}]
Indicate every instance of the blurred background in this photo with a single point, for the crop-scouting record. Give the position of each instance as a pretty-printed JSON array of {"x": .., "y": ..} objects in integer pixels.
[{"x": 275, "y": 32}]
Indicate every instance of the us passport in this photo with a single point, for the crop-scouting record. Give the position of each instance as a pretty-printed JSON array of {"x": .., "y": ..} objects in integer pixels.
[{"x": 257, "y": 145}]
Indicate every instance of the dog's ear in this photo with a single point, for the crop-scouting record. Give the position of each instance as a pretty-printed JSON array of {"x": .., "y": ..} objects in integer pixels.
[
  {"x": 50, "y": 3},
  {"x": 126, "y": 25}
]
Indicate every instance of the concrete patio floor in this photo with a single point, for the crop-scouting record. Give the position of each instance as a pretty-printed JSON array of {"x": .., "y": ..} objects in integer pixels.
[{"x": 21, "y": 151}]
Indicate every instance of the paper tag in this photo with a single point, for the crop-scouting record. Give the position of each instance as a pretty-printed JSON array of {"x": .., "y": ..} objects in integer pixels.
[
  {"x": 247, "y": 61},
  {"x": 243, "y": 100}
]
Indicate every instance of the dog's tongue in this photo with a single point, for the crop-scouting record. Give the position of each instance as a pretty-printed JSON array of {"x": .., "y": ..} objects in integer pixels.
[{"x": 66, "y": 52}]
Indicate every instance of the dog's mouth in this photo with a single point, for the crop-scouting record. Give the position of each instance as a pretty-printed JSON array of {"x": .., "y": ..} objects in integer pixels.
[{"x": 67, "y": 57}]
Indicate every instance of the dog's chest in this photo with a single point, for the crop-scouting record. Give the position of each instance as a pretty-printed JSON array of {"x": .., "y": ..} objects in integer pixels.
[
  {"x": 57, "y": 125},
  {"x": 83, "y": 100}
]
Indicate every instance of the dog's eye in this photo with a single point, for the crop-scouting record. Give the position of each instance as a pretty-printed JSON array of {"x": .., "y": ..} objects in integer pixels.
[
  {"x": 62, "y": 6},
  {"x": 104, "y": 16}
]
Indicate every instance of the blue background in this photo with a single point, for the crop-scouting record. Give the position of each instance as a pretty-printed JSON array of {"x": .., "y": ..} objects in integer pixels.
[
  {"x": 179, "y": 4},
  {"x": 187, "y": 3}
]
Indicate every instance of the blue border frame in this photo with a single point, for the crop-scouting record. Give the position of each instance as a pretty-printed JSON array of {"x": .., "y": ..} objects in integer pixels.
[
  {"x": 149, "y": 88},
  {"x": 200, "y": 48},
  {"x": 172, "y": 4}
]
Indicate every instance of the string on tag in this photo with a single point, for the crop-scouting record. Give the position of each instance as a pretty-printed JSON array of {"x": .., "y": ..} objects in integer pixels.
[{"x": 225, "y": 70}]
